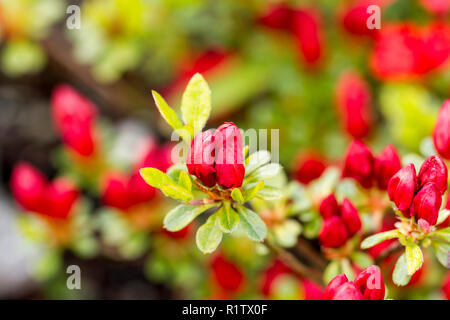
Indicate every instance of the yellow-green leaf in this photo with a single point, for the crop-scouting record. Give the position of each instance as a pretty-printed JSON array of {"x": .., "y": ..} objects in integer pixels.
[
  {"x": 196, "y": 103},
  {"x": 209, "y": 235},
  {"x": 155, "y": 177},
  {"x": 184, "y": 181},
  {"x": 177, "y": 193},
  {"x": 166, "y": 112}
]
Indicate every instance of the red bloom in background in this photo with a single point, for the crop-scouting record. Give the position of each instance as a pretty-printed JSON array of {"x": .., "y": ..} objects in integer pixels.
[
  {"x": 387, "y": 164},
  {"x": 359, "y": 164},
  {"x": 277, "y": 16},
  {"x": 306, "y": 28},
  {"x": 406, "y": 51},
  {"x": 31, "y": 190},
  {"x": 308, "y": 167},
  {"x": 179, "y": 235},
  {"x": 441, "y": 133},
  {"x": 227, "y": 275},
  {"x": 368, "y": 285},
  {"x": 74, "y": 116},
  {"x": 437, "y": 7},
  {"x": 353, "y": 100},
  {"x": 446, "y": 286}
]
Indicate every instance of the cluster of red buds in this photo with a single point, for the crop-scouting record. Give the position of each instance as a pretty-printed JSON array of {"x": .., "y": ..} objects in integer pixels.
[
  {"x": 218, "y": 158},
  {"x": 304, "y": 24},
  {"x": 74, "y": 116},
  {"x": 32, "y": 191},
  {"x": 368, "y": 285},
  {"x": 361, "y": 165},
  {"x": 420, "y": 196},
  {"x": 340, "y": 222}
]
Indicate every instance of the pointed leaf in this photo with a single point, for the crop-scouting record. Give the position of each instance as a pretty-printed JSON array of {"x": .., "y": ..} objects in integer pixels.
[
  {"x": 155, "y": 177},
  {"x": 196, "y": 103},
  {"x": 251, "y": 193},
  {"x": 228, "y": 218},
  {"x": 257, "y": 160},
  {"x": 209, "y": 235},
  {"x": 253, "y": 225},
  {"x": 185, "y": 181},
  {"x": 400, "y": 275},
  {"x": 414, "y": 258},
  {"x": 265, "y": 172},
  {"x": 237, "y": 196},
  {"x": 180, "y": 216},
  {"x": 378, "y": 237},
  {"x": 166, "y": 112},
  {"x": 269, "y": 193},
  {"x": 177, "y": 193}
]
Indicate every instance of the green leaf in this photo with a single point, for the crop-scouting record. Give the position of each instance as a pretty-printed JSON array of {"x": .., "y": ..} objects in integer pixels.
[
  {"x": 378, "y": 237},
  {"x": 251, "y": 193},
  {"x": 442, "y": 251},
  {"x": 347, "y": 269},
  {"x": 414, "y": 258},
  {"x": 332, "y": 270},
  {"x": 400, "y": 275},
  {"x": 287, "y": 232},
  {"x": 362, "y": 259},
  {"x": 252, "y": 224},
  {"x": 270, "y": 193},
  {"x": 196, "y": 103},
  {"x": 265, "y": 172},
  {"x": 209, "y": 235},
  {"x": 237, "y": 196},
  {"x": 185, "y": 181},
  {"x": 177, "y": 193},
  {"x": 155, "y": 177},
  {"x": 256, "y": 160},
  {"x": 228, "y": 218},
  {"x": 442, "y": 233},
  {"x": 166, "y": 112},
  {"x": 180, "y": 216},
  {"x": 443, "y": 215}
]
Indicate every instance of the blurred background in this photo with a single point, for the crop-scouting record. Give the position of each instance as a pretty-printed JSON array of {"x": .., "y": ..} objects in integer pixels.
[{"x": 312, "y": 69}]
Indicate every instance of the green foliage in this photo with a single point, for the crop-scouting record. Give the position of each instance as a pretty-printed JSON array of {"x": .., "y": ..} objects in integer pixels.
[
  {"x": 180, "y": 216},
  {"x": 209, "y": 235},
  {"x": 252, "y": 224},
  {"x": 379, "y": 237}
]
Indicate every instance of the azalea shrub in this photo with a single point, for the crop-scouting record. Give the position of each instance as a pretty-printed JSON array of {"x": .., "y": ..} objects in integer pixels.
[{"x": 346, "y": 199}]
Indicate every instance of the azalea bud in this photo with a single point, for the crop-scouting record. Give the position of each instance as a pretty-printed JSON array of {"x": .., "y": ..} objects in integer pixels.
[
  {"x": 354, "y": 19},
  {"x": 387, "y": 163},
  {"x": 60, "y": 196},
  {"x": 347, "y": 291},
  {"x": 354, "y": 105},
  {"x": 306, "y": 27},
  {"x": 200, "y": 158},
  {"x": 333, "y": 233},
  {"x": 370, "y": 282},
  {"x": 427, "y": 203},
  {"x": 350, "y": 216},
  {"x": 402, "y": 186},
  {"x": 227, "y": 274},
  {"x": 115, "y": 193},
  {"x": 329, "y": 207},
  {"x": 308, "y": 167},
  {"x": 434, "y": 170},
  {"x": 333, "y": 285},
  {"x": 28, "y": 186},
  {"x": 229, "y": 167},
  {"x": 73, "y": 115},
  {"x": 359, "y": 163}
]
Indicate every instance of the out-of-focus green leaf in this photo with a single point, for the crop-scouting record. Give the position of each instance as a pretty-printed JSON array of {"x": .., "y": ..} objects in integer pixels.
[
  {"x": 265, "y": 172},
  {"x": 257, "y": 160},
  {"x": 332, "y": 270}
]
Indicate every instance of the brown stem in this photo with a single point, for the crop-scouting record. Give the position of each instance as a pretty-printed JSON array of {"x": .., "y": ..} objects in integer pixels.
[
  {"x": 305, "y": 249},
  {"x": 208, "y": 192},
  {"x": 295, "y": 264}
]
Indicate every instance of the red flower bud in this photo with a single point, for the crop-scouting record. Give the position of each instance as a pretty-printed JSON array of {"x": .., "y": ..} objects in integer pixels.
[
  {"x": 278, "y": 16},
  {"x": 329, "y": 207},
  {"x": 354, "y": 19},
  {"x": 370, "y": 282},
  {"x": 230, "y": 168},
  {"x": 434, "y": 170},
  {"x": 306, "y": 27},
  {"x": 441, "y": 133},
  {"x": 350, "y": 216},
  {"x": 427, "y": 203},
  {"x": 227, "y": 274},
  {"x": 402, "y": 186},
  {"x": 347, "y": 291},
  {"x": 28, "y": 185},
  {"x": 387, "y": 163},
  {"x": 354, "y": 105},
  {"x": 309, "y": 166},
  {"x": 73, "y": 115},
  {"x": 60, "y": 197},
  {"x": 359, "y": 163},
  {"x": 333, "y": 285},
  {"x": 115, "y": 191},
  {"x": 200, "y": 159},
  {"x": 333, "y": 233}
]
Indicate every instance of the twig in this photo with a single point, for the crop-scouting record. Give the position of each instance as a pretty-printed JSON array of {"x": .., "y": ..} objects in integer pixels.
[
  {"x": 295, "y": 264},
  {"x": 305, "y": 249}
]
